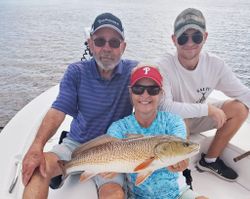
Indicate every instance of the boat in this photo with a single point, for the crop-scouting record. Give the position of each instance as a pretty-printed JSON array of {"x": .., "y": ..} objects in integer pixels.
[{"x": 18, "y": 134}]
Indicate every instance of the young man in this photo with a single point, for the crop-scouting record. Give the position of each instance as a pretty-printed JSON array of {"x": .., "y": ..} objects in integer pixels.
[
  {"x": 95, "y": 94},
  {"x": 192, "y": 75}
]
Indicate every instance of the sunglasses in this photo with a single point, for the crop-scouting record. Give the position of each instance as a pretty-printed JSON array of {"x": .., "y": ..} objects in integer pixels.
[
  {"x": 197, "y": 38},
  {"x": 113, "y": 43},
  {"x": 139, "y": 90}
]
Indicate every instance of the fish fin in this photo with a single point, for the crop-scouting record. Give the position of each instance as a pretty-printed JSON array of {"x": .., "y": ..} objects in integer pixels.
[
  {"x": 86, "y": 176},
  {"x": 145, "y": 164},
  {"x": 134, "y": 136},
  {"x": 93, "y": 143},
  {"x": 142, "y": 176},
  {"x": 131, "y": 136},
  {"x": 64, "y": 174},
  {"x": 62, "y": 164}
]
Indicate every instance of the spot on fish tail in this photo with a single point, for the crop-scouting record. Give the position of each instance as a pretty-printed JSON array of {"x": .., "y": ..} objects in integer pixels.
[{"x": 62, "y": 164}]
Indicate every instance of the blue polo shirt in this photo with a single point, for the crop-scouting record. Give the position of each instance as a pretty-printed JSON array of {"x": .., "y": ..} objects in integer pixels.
[{"x": 94, "y": 103}]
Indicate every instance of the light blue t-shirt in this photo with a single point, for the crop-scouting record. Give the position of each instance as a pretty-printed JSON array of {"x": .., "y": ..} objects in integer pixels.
[{"x": 162, "y": 183}]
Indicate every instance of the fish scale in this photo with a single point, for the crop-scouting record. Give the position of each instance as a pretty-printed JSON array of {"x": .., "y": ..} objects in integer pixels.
[
  {"x": 115, "y": 151},
  {"x": 130, "y": 155}
]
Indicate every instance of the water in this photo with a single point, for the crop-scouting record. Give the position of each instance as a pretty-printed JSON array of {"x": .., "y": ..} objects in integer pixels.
[{"x": 38, "y": 39}]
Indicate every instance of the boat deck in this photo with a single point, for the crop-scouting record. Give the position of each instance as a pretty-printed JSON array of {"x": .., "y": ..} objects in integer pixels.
[
  {"x": 213, "y": 187},
  {"x": 204, "y": 183}
]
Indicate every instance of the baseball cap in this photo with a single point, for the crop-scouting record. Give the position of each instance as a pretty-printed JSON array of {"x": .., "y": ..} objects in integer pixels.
[
  {"x": 107, "y": 20},
  {"x": 150, "y": 72},
  {"x": 190, "y": 18}
]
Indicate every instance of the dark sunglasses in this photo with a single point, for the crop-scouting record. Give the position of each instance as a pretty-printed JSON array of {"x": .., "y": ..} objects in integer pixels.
[
  {"x": 197, "y": 38},
  {"x": 113, "y": 43},
  {"x": 139, "y": 90}
]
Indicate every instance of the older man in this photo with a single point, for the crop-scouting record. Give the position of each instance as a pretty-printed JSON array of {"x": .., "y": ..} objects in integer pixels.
[
  {"x": 191, "y": 75},
  {"x": 95, "y": 94}
]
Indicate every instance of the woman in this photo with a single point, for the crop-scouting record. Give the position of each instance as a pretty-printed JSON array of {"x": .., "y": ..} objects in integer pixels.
[{"x": 146, "y": 91}]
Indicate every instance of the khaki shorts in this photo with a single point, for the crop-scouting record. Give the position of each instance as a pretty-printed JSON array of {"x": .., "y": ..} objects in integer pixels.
[{"x": 198, "y": 125}]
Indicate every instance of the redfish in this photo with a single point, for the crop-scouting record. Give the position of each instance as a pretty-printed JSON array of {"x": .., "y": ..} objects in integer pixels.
[{"x": 135, "y": 154}]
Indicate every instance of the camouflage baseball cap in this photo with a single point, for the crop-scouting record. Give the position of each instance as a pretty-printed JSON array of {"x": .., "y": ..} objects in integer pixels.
[{"x": 189, "y": 18}]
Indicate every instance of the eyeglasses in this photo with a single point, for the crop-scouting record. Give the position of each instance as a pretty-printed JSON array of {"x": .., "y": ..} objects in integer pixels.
[
  {"x": 197, "y": 38},
  {"x": 139, "y": 90},
  {"x": 113, "y": 43}
]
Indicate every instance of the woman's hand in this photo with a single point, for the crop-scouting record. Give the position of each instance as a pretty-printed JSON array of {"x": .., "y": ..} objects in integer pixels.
[{"x": 180, "y": 166}]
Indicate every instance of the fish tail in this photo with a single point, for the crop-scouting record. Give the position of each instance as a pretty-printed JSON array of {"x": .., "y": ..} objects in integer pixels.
[{"x": 61, "y": 164}]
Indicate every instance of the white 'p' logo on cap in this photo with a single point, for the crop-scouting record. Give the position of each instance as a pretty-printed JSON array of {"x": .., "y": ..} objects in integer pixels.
[{"x": 146, "y": 70}]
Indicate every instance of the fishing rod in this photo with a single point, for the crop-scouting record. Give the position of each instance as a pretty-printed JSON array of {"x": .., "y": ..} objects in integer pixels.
[
  {"x": 240, "y": 157},
  {"x": 87, "y": 53}
]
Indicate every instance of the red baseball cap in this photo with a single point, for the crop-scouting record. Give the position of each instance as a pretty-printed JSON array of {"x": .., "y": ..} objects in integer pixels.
[{"x": 150, "y": 72}]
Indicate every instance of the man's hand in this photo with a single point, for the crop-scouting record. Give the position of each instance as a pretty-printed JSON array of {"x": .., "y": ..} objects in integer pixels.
[
  {"x": 218, "y": 115},
  {"x": 180, "y": 166},
  {"x": 33, "y": 159}
]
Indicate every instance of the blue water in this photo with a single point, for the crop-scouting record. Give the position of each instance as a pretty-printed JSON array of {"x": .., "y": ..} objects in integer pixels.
[{"x": 39, "y": 38}]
